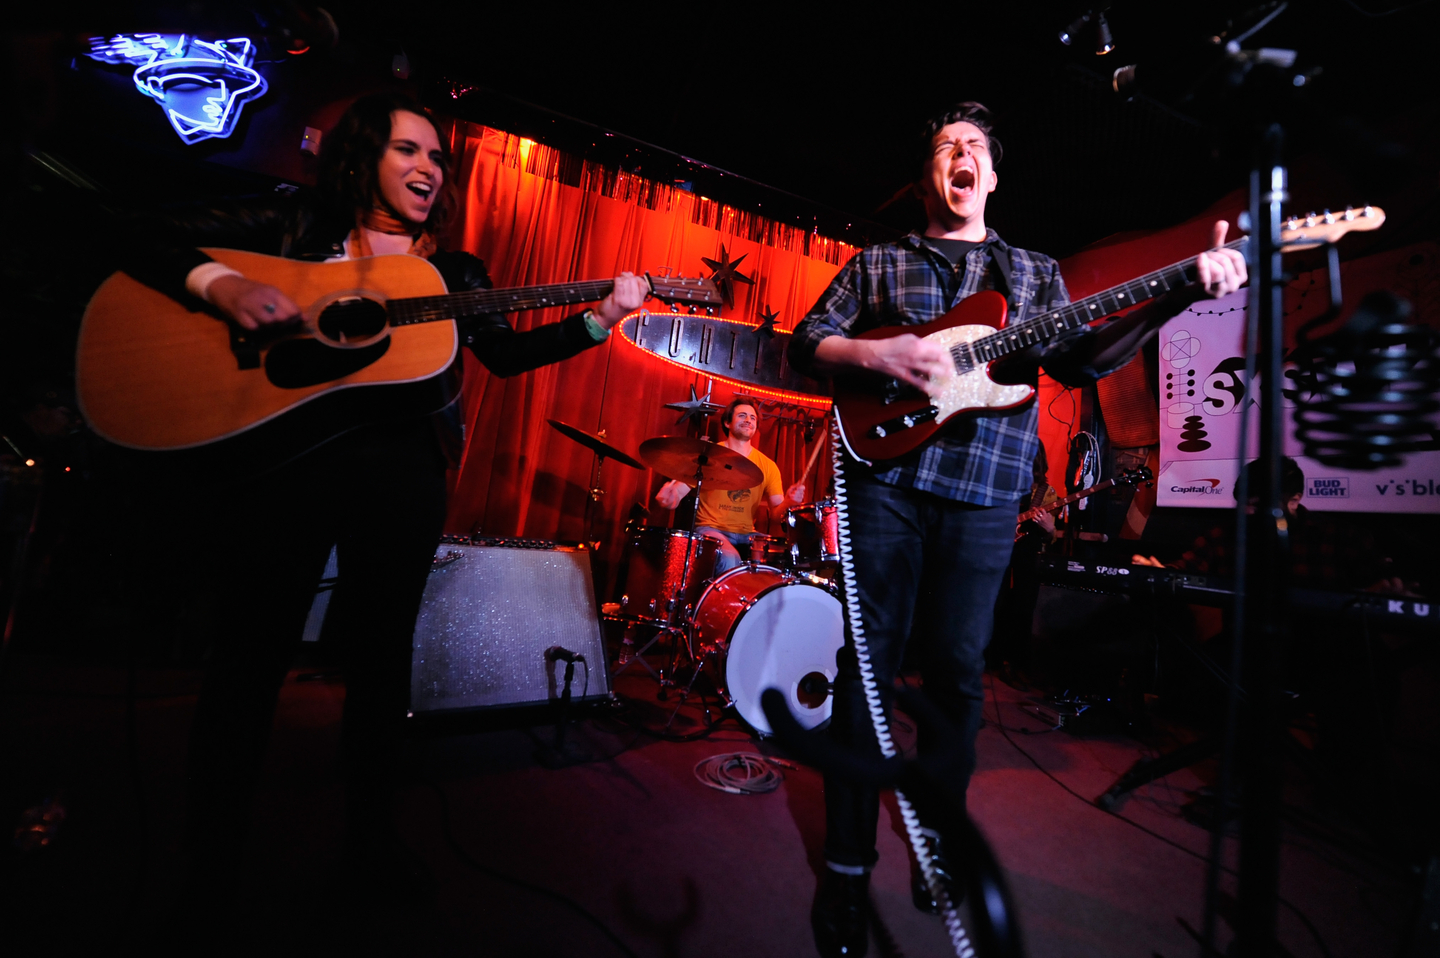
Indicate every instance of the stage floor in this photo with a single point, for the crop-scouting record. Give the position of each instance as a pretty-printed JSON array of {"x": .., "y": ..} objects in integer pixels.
[{"x": 671, "y": 867}]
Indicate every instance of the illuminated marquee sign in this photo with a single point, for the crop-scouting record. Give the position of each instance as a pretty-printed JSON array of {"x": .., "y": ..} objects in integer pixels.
[
  {"x": 735, "y": 352},
  {"x": 200, "y": 84}
]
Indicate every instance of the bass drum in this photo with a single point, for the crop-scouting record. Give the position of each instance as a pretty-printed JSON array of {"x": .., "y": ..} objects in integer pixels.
[{"x": 772, "y": 629}]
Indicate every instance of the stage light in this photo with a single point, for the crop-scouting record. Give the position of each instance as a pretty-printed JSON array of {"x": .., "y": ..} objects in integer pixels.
[
  {"x": 1067, "y": 36},
  {"x": 1104, "y": 42}
]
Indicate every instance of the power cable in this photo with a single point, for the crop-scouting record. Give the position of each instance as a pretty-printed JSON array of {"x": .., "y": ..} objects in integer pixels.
[
  {"x": 541, "y": 890},
  {"x": 740, "y": 773},
  {"x": 1309, "y": 925}
]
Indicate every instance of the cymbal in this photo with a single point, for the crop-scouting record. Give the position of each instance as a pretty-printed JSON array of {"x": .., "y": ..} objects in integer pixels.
[
  {"x": 676, "y": 457},
  {"x": 593, "y": 442}
]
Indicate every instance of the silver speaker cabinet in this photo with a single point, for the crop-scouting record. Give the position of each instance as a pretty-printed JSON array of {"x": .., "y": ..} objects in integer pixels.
[{"x": 490, "y": 613}]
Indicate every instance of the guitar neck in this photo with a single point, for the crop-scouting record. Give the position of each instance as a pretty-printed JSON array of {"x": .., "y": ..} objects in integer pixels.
[
  {"x": 479, "y": 302},
  {"x": 1059, "y": 504},
  {"x": 1019, "y": 336}
]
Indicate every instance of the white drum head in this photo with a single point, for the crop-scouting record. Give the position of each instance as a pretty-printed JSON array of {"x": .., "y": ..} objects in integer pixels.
[{"x": 789, "y": 633}]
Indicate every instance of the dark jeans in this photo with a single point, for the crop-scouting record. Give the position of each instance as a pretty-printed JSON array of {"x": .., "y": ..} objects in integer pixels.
[
  {"x": 926, "y": 566},
  {"x": 377, "y": 495}
]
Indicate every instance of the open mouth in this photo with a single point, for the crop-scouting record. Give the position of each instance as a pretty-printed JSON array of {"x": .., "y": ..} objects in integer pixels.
[
  {"x": 422, "y": 190},
  {"x": 962, "y": 180}
]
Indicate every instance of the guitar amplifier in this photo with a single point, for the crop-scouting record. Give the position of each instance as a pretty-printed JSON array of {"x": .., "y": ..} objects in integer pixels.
[{"x": 490, "y": 614}]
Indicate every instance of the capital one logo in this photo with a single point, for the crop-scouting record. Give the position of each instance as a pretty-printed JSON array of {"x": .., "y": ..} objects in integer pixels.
[
  {"x": 200, "y": 84},
  {"x": 1199, "y": 487}
]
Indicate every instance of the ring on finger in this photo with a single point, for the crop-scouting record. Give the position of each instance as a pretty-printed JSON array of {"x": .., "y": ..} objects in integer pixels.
[{"x": 270, "y": 308}]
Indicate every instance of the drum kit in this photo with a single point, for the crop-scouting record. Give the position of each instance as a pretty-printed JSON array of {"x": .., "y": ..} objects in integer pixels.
[{"x": 773, "y": 621}]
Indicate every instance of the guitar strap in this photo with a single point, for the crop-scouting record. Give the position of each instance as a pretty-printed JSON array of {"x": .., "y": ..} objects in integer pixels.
[{"x": 1001, "y": 258}]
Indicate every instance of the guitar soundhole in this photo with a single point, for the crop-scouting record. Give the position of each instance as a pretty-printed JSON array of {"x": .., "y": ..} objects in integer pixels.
[{"x": 350, "y": 321}]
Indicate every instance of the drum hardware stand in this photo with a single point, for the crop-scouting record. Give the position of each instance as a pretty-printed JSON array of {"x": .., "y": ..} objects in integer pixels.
[
  {"x": 707, "y": 652},
  {"x": 593, "y": 498}
]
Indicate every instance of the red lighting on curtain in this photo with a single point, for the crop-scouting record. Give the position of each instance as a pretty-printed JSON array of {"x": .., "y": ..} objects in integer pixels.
[{"x": 537, "y": 215}]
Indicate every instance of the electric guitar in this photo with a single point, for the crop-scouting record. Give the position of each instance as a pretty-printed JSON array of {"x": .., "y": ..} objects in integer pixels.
[
  {"x": 893, "y": 418},
  {"x": 377, "y": 341},
  {"x": 1131, "y": 477}
]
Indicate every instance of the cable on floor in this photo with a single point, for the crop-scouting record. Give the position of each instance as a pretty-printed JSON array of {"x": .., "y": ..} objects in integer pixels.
[
  {"x": 740, "y": 773},
  {"x": 541, "y": 890},
  {"x": 1309, "y": 925}
]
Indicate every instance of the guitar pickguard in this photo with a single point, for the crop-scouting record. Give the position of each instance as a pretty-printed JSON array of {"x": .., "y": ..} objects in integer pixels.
[{"x": 975, "y": 389}]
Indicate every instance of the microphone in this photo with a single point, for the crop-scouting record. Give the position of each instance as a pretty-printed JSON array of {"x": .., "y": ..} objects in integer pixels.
[
  {"x": 1185, "y": 71},
  {"x": 559, "y": 653}
]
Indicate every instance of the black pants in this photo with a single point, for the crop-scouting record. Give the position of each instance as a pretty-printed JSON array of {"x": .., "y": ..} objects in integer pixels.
[
  {"x": 377, "y": 495},
  {"x": 935, "y": 565}
]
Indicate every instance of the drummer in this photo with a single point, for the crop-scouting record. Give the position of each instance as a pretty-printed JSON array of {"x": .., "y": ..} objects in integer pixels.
[{"x": 729, "y": 515}]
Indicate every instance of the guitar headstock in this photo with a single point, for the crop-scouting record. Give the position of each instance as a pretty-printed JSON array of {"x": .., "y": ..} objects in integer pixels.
[
  {"x": 692, "y": 291},
  {"x": 1133, "y": 477},
  {"x": 1317, "y": 229}
]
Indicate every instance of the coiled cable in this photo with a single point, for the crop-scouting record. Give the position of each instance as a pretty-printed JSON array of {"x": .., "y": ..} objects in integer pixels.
[
  {"x": 739, "y": 773},
  {"x": 918, "y": 843}
]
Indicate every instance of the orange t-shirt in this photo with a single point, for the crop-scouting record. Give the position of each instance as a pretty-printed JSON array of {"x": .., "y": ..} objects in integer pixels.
[{"x": 733, "y": 510}]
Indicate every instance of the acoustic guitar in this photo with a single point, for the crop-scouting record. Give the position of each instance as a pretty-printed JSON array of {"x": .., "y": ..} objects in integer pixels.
[
  {"x": 378, "y": 340},
  {"x": 883, "y": 419}
]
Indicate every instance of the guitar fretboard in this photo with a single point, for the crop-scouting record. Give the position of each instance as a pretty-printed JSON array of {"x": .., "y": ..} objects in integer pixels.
[
  {"x": 478, "y": 302},
  {"x": 1053, "y": 323}
]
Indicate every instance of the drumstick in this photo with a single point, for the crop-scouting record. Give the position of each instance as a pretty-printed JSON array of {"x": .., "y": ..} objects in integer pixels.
[{"x": 815, "y": 455}]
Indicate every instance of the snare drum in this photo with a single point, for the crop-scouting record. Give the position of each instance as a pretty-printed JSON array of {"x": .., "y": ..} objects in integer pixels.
[
  {"x": 773, "y": 630},
  {"x": 769, "y": 550},
  {"x": 814, "y": 534},
  {"x": 656, "y": 565}
]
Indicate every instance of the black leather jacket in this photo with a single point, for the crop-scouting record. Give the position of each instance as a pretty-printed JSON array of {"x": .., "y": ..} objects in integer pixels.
[{"x": 163, "y": 253}]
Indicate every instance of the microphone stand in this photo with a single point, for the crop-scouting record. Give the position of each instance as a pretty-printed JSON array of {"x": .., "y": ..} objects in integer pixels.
[{"x": 1262, "y": 625}]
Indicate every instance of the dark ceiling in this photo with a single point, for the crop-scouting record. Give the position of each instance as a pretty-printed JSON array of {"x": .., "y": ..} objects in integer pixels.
[{"x": 807, "y": 113}]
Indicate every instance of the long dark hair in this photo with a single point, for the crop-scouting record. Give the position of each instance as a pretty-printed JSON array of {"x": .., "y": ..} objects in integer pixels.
[{"x": 348, "y": 175}]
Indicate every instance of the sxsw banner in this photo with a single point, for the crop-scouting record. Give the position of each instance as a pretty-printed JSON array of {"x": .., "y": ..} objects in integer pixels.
[{"x": 1202, "y": 392}]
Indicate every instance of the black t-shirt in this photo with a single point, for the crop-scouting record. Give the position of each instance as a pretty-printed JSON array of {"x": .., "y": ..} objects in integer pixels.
[{"x": 954, "y": 250}]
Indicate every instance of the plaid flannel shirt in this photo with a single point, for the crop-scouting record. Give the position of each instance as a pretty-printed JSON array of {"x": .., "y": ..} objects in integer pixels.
[{"x": 983, "y": 459}]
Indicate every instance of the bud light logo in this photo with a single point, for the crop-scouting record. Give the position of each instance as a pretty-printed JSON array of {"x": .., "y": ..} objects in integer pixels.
[
  {"x": 1334, "y": 487},
  {"x": 1199, "y": 487},
  {"x": 200, "y": 84}
]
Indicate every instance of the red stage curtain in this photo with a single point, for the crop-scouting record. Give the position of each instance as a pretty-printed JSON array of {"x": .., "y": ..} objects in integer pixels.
[{"x": 536, "y": 216}]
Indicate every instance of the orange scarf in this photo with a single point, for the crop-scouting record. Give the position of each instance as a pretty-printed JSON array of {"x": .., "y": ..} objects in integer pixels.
[{"x": 382, "y": 220}]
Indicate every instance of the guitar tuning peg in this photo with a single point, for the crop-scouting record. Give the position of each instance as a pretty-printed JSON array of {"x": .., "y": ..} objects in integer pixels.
[
  {"x": 709, "y": 310},
  {"x": 674, "y": 307},
  {"x": 694, "y": 309}
]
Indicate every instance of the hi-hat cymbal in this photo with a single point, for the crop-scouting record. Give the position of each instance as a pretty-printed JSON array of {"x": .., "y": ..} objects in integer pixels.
[
  {"x": 593, "y": 442},
  {"x": 721, "y": 467}
]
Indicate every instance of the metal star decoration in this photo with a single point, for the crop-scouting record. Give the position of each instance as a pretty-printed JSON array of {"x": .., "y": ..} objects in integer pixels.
[
  {"x": 767, "y": 322},
  {"x": 727, "y": 274},
  {"x": 695, "y": 407}
]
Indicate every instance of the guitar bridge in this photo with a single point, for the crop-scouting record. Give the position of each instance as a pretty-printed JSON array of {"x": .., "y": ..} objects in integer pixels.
[{"x": 908, "y": 421}]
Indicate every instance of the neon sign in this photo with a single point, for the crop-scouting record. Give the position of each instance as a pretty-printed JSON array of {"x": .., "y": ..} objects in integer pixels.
[{"x": 200, "y": 84}]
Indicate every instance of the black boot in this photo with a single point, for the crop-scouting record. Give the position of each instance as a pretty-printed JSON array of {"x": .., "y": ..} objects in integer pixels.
[
  {"x": 840, "y": 915},
  {"x": 920, "y": 892}
]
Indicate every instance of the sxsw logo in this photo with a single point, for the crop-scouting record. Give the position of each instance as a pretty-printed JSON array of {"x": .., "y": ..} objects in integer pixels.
[
  {"x": 1337, "y": 487},
  {"x": 1199, "y": 487}
]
